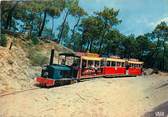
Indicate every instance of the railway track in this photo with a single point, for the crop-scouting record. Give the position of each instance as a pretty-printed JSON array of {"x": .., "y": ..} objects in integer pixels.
[{"x": 16, "y": 92}]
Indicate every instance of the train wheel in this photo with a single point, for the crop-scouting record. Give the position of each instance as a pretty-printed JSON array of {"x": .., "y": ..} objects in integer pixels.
[
  {"x": 56, "y": 83},
  {"x": 61, "y": 83},
  {"x": 78, "y": 80},
  {"x": 75, "y": 81},
  {"x": 72, "y": 81}
]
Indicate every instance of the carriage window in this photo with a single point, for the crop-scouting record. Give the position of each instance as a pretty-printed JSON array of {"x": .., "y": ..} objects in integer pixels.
[
  {"x": 123, "y": 64},
  {"x": 103, "y": 63},
  {"x": 113, "y": 63},
  {"x": 97, "y": 63},
  {"x": 76, "y": 62},
  {"x": 118, "y": 64},
  {"x": 90, "y": 63},
  {"x": 136, "y": 65},
  {"x": 130, "y": 64},
  {"x": 83, "y": 63},
  {"x": 133, "y": 65},
  {"x": 140, "y": 65},
  {"x": 108, "y": 63}
]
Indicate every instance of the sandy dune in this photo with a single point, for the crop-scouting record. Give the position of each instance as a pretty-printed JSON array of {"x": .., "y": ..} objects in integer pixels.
[{"x": 117, "y": 97}]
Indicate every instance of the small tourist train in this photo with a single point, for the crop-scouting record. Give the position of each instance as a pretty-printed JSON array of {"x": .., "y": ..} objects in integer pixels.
[{"x": 77, "y": 66}]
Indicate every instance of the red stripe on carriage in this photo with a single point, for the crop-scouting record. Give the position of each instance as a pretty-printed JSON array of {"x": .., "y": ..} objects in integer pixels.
[
  {"x": 120, "y": 70},
  {"x": 109, "y": 70},
  {"x": 135, "y": 71}
]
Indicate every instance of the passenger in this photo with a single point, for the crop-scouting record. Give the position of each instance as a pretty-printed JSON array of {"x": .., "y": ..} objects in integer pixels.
[
  {"x": 83, "y": 64},
  {"x": 96, "y": 68},
  {"x": 63, "y": 62},
  {"x": 92, "y": 69},
  {"x": 92, "y": 66},
  {"x": 118, "y": 65}
]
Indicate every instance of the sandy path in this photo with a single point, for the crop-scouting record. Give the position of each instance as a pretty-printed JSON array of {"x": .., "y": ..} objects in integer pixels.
[{"x": 126, "y": 97}]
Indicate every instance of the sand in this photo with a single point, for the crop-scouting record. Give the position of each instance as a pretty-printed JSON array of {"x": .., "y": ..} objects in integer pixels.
[{"x": 114, "y": 97}]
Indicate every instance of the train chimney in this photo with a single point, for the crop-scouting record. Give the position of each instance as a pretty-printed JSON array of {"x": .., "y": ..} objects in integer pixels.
[{"x": 52, "y": 56}]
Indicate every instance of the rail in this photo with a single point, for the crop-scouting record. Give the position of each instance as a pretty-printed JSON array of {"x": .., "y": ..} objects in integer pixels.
[{"x": 16, "y": 92}]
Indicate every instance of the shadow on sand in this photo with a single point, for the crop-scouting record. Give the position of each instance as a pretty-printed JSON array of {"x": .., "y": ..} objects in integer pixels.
[
  {"x": 164, "y": 85},
  {"x": 159, "y": 111}
]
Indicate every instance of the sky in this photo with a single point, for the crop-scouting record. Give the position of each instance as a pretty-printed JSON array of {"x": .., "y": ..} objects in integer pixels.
[{"x": 138, "y": 16}]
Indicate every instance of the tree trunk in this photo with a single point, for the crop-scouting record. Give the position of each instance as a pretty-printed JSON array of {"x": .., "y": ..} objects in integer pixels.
[
  {"x": 101, "y": 42},
  {"x": 153, "y": 61},
  {"x": 31, "y": 28},
  {"x": 62, "y": 29},
  {"x": 87, "y": 46},
  {"x": 30, "y": 31},
  {"x": 149, "y": 59},
  {"x": 124, "y": 53},
  {"x": 43, "y": 23},
  {"x": 82, "y": 41},
  {"x": 39, "y": 22},
  {"x": 9, "y": 17},
  {"x": 102, "y": 37},
  {"x": 52, "y": 28},
  {"x": 73, "y": 31},
  {"x": 164, "y": 51},
  {"x": 91, "y": 44}
]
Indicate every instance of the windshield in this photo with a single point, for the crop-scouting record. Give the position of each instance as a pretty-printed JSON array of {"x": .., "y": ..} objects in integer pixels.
[
  {"x": 44, "y": 72},
  {"x": 70, "y": 61}
]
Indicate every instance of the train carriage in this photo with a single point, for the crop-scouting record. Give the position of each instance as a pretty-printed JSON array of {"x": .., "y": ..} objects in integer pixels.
[
  {"x": 135, "y": 67},
  {"x": 115, "y": 66},
  {"x": 90, "y": 67}
]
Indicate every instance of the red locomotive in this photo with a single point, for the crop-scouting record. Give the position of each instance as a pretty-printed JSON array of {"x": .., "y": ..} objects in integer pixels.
[{"x": 77, "y": 66}]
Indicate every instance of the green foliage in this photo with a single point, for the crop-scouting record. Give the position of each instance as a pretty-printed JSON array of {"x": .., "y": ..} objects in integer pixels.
[
  {"x": 35, "y": 40},
  {"x": 158, "y": 55},
  {"x": 3, "y": 40},
  {"x": 37, "y": 58},
  {"x": 65, "y": 31},
  {"x": 75, "y": 9},
  {"x": 109, "y": 16},
  {"x": 74, "y": 43}
]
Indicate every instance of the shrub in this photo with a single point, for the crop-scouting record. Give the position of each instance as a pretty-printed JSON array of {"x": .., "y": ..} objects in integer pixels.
[
  {"x": 37, "y": 58},
  {"x": 35, "y": 40},
  {"x": 3, "y": 40}
]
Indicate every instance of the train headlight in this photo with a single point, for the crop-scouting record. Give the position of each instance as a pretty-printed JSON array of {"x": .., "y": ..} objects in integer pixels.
[{"x": 45, "y": 74}]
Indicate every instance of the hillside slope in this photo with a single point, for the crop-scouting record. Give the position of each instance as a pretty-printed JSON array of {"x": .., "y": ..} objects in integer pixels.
[{"x": 16, "y": 69}]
